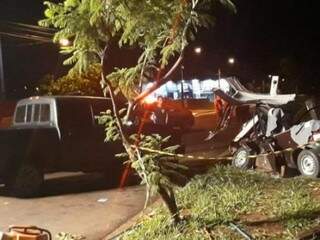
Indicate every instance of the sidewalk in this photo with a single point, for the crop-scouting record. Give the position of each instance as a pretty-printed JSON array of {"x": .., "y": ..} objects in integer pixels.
[{"x": 92, "y": 213}]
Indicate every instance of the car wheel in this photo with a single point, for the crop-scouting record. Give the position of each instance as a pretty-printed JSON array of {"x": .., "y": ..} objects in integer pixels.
[
  {"x": 308, "y": 163},
  {"x": 26, "y": 182},
  {"x": 241, "y": 158}
]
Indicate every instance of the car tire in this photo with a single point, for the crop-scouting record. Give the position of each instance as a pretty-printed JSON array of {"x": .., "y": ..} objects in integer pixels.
[
  {"x": 26, "y": 182},
  {"x": 308, "y": 163},
  {"x": 241, "y": 158}
]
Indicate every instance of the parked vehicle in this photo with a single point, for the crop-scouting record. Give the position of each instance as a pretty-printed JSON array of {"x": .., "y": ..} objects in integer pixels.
[
  {"x": 271, "y": 136},
  {"x": 169, "y": 113},
  {"x": 56, "y": 133}
]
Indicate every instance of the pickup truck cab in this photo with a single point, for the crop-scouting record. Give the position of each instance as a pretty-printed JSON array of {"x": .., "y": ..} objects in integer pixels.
[{"x": 55, "y": 133}]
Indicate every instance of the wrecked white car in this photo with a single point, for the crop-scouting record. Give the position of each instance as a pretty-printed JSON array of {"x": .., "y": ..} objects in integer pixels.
[{"x": 271, "y": 139}]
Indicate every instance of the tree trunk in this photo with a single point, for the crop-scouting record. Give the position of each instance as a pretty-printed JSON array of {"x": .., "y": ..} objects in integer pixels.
[{"x": 170, "y": 201}]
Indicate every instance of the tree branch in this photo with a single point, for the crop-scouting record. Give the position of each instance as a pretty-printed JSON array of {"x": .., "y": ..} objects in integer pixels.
[
  {"x": 112, "y": 96},
  {"x": 163, "y": 80},
  {"x": 159, "y": 82}
]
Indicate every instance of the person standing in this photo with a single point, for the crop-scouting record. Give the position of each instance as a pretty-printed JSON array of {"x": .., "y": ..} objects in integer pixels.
[
  {"x": 160, "y": 115},
  {"x": 223, "y": 110},
  {"x": 218, "y": 106}
]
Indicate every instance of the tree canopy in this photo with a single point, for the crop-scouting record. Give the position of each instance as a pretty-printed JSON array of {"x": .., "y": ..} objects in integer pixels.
[
  {"x": 87, "y": 83},
  {"x": 161, "y": 29}
]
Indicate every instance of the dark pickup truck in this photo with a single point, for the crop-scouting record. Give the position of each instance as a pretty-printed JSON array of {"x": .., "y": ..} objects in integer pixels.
[
  {"x": 55, "y": 133},
  {"x": 50, "y": 134}
]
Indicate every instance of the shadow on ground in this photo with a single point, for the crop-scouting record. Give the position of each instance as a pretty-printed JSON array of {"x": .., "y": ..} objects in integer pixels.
[{"x": 66, "y": 183}]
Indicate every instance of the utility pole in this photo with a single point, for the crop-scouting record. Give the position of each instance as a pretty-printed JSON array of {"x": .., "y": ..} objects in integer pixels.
[
  {"x": 2, "y": 85},
  {"x": 182, "y": 81},
  {"x": 219, "y": 76}
]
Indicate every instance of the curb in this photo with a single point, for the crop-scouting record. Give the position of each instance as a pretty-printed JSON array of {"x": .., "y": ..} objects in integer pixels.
[{"x": 131, "y": 222}]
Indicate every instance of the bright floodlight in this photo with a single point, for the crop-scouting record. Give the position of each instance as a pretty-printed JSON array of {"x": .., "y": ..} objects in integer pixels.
[
  {"x": 150, "y": 99},
  {"x": 198, "y": 50},
  {"x": 64, "y": 42},
  {"x": 231, "y": 60}
]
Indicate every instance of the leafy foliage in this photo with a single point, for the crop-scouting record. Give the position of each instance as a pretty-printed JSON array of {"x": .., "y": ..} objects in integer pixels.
[
  {"x": 71, "y": 17},
  {"x": 160, "y": 28},
  {"x": 154, "y": 170},
  {"x": 109, "y": 122},
  {"x": 126, "y": 80},
  {"x": 74, "y": 83}
]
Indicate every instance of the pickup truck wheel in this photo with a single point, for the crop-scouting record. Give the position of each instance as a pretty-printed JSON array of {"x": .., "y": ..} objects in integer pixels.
[
  {"x": 241, "y": 158},
  {"x": 26, "y": 182},
  {"x": 308, "y": 163}
]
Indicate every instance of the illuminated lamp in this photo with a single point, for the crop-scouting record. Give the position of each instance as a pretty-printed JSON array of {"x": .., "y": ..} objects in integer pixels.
[
  {"x": 64, "y": 42},
  {"x": 150, "y": 99}
]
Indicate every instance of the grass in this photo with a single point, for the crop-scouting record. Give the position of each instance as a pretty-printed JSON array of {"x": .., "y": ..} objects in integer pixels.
[{"x": 264, "y": 207}]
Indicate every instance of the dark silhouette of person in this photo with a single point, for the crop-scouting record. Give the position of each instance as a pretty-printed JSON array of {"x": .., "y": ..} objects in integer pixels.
[{"x": 160, "y": 114}]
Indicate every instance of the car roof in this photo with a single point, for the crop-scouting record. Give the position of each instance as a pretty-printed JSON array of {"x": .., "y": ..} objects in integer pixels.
[
  {"x": 243, "y": 96},
  {"x": 59, "y": 98}
]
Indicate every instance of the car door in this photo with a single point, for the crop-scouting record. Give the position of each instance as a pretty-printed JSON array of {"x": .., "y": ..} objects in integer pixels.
[
  {"x": 103, "y": 153},
  {"x": 75, "y": 125}
]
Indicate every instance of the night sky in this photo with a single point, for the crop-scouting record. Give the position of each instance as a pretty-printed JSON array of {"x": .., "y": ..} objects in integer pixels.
[{"x": 264, "y": 36}]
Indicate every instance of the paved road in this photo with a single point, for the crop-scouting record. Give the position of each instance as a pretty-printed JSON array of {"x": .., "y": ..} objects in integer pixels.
[{"x": 74, "y": 203}]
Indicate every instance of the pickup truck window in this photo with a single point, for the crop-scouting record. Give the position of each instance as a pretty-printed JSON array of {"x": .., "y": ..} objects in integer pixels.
[
  {"x": 36, "y": 113},
  {"x": 21, "y": 110},
  {"x": 45, "y": 113},
  {"x": 33, "y": 113},
  {"x": 29, "y": 113},
  {"x": 41, "y": 113}
]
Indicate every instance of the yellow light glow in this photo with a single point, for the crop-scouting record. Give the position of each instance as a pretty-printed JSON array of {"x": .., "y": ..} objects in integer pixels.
[
  {"x": 198, "y": 50},
  {"x": 231, "y": 60},
  {"x": 149, "y": 99},
  {"x": 64, "y": 42}
]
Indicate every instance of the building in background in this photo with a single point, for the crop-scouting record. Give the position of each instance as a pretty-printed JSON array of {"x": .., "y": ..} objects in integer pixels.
[{"x": 195, "y": 89}]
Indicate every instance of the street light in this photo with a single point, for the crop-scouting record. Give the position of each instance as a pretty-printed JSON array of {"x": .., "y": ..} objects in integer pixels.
[
  {"x": 231, "y": 60},
  {"x": 198, "y": 50},
  {"x": 64, "y": 42},
  {"x": 182, "y": 81},
  {"x": 2, "y": 83}
]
